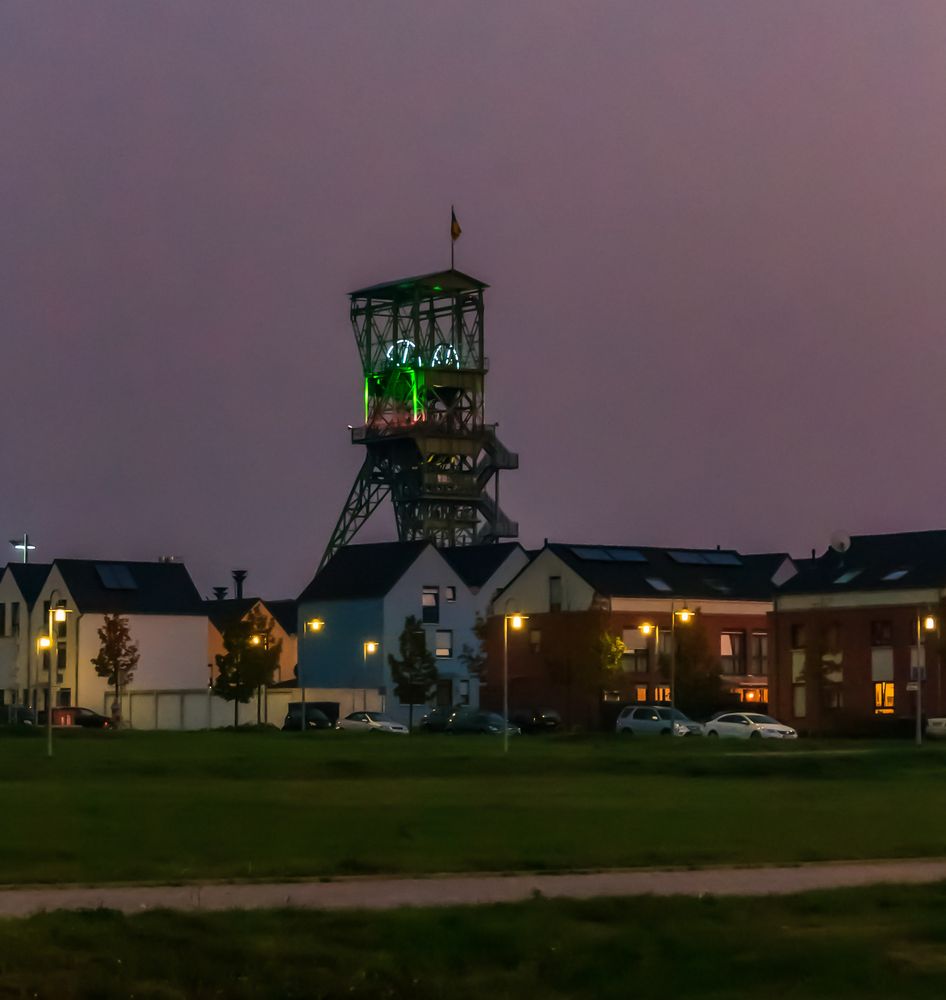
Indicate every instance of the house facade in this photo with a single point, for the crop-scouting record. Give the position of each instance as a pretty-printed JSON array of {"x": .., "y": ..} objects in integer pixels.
[
  {"x": 365, "y": 593},
  {"x": 571, "y": 594},
  {"x": 853, "y": 627},
  {"x": 282, "y": 614},
  {"x": 20, "y": 586}
]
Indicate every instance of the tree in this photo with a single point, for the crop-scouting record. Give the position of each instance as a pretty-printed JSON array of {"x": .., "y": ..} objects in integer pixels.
[
  {"x": 474, "y": 657},
  {"x": 116, "y": 659},
  {"x": 699, "y": 685},
  {"x": 250, "y": 659},
  {"x": 414, "y": 674},
  {"x": 822, "y": 670}
]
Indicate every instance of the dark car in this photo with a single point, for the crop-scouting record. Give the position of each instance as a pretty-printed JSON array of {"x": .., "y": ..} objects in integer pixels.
[
  {"x": 473, "y": 721},
  {"x": 17, "y": 715},
  {"x": 536, "y": 720},
  {"x": 315, "y": 718},
  {"x": 435, "y": 721},
  {"x": 73, "y": 716}
]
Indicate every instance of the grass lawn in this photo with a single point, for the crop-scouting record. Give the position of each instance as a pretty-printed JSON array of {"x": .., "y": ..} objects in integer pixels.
[
  {"x": 878, "y": 943},
  {"x": 179, "y": 806}
]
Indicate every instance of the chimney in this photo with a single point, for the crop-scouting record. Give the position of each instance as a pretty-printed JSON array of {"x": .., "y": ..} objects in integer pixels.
[
  {"x": 220, "y": 593},
  {"x": 239, "y": 575}
]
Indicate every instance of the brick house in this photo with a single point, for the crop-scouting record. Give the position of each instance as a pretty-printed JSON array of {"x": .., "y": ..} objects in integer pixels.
[
  {"x": 846, "y": 638},
  {"x": 572, "y": 592}
]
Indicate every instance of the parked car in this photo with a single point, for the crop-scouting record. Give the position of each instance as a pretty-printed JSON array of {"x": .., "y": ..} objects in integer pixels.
[
  {"x": 748, "y": 725},
  {"x": 70, "y": 716},
  {"x": 536, "y": 720},
  {"x": 655, "y": 720},
  {"x": 936, "y": 729},
  {"x": 435, "y": 721},
  {"x": 315, "y": 718},
  {"x": 473, "y": 721},
  {"x": 371, "y": 722},
  {"x": 17, "y": 715}
]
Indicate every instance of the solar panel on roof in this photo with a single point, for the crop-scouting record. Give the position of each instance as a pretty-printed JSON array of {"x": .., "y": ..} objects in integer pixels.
[
  {"x": 627, "y": 555},
  {"x": 722, "y": 558},
  {"x": 115, "y": 576},
  {"x": 592, "y": 552},
  {"x": 659, "y": 584},
  {"x": 687, "y": 558}
]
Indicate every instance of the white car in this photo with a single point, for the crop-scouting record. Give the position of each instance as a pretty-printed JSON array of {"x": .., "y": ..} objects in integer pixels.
[
  {"x": 936, "y": 728},
  {"x": 371, "y": 722},
  {"x": 748, "y": 725},
  {"x": 654, "y": 720}
]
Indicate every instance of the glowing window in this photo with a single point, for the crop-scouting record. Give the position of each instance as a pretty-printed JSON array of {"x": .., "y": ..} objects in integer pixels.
[
  {"x": 883, "y": 698},
  {"x": 444, "y": 643}
]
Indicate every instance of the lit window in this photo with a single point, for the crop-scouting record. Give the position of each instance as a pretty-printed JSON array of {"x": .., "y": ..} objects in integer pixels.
[
  {"x": 443, "y": 643},
  {"x": 451, "y": 594},
  {"x": 661, "y": 694},
  {"x": 430, "y": 605},
  {"x": 883, "y": 698},
  {"x": 732, "y": 652},
  {"x": 641, "y": 692}
]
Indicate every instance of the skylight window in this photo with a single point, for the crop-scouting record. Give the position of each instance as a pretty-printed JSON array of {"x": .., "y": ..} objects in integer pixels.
[
  {"x": 598, "y": 553},
  {"x": 659, "y": 584},
  {"x": 722, "y": 558},
  {"x": 687, "y": 558},
  {"x": 897, "y": 574},
  {"x": 850, "y": 575},
  {"x": 627, "y": 555}
]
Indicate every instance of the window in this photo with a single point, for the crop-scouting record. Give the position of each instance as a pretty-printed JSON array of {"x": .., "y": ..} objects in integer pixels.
[
  {"x": 451, "y": 594},
  {"x": 732, "y": 652},
  {"x": 463, "y": 696},
  {"x": 60, "y": 658},
  {"x": 883, "y": 698},
  {"x": 798, "y": 701},
  {"x": 535, "y": 640},
  {"x": 881, "y": 633},
  {"x": 658, "y": 584},
  {"x": 897, "y": 574},
  {"x": 60, "y": 626},
  {"x": 646, "y": 715},
  {"x": 444, "y": 692},
  {"x": 661, "y": 694},
  {"x": 115, "y": 576},
  {"x": 832, "y": 638},
  {"x": 799, "y": 636},
  {"x": 443, "y": 643},
  {"x": 759, "y": 653},
  {"x": 555, "y": 593},
  {"x": 848, "y": 576},
  {"x": 833, "y": 697},
  {"x": 430, "y": 605},
  {"x": 636, "y": 656},
  {"x": 640, "y": 692},
  {"x": 3, "y": 619},
  {"x": 64, "y": 697},
  {"x": 15, "y": 618}
]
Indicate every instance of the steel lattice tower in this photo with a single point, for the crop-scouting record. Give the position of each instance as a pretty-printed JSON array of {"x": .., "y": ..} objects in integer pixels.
[{"x": 428, "y": 445}]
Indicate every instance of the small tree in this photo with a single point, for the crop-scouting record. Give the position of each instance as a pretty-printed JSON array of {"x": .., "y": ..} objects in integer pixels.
[
  {"x": 474, "y": 657},
  {"x": 699, "y": 684},
  {"x": 414, "y": 674},
  {"x": 116, "y": 659},
  {"x": 250, "y": 659}
]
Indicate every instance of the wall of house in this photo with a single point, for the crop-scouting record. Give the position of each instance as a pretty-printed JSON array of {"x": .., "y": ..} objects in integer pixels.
[
  {"x": 14, "y": 648},
  {"x": 333, "y": 657},
  {"x": 510, "y": 568},
  {"x": 529, "y": 591},
  {"x": 288, "y": 655},
  {"x": 856, "y": 659}
]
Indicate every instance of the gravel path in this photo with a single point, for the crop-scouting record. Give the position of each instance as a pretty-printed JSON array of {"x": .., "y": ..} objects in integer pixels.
[{"x": 450, "y": 890}]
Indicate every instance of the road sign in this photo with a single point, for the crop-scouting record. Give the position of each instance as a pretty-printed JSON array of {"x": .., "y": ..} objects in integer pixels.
[
  {"x": 917, "y": 674},
  {"x": 913, "y": 686}
]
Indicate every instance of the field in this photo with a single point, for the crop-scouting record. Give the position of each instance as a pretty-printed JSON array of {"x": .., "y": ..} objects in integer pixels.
[
  {"x": 250, "y": 805},
  {"x": 877, "y": 944}
]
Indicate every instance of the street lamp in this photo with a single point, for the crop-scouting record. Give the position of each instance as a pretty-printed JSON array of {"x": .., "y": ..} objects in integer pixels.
[
  {"x": 260, "y": 639},
  {"x": 44, "y": 643},
  {"x": 924, "y": 623},
  {"x": 516, "y": 621},
  {"x": 685, "y": 616},
  {"x": 367, "y": 647},
  {"x": 312, "y": 625}
]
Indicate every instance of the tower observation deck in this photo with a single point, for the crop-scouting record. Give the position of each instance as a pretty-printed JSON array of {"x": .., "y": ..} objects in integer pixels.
[{"x": 427, "y": 442}]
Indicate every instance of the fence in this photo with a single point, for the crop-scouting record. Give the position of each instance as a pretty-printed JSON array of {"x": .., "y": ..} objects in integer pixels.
[{"x": 201, "y": 709}]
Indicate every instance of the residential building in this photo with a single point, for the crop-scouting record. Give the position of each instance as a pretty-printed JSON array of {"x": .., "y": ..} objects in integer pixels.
[
  {"x": 20, "y": 585},
  {"x": 282, "y": 614},
  {"x": 365, "y": 593},
  {"x": 572, "y": 593},
  {"x": 850, "y": 629}
]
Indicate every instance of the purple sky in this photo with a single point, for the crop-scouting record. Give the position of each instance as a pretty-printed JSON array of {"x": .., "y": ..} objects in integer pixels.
[{"x": 715, "y": 234}]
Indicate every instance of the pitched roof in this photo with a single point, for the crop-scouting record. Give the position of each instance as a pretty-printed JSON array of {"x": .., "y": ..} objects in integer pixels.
[
  {"x": 30, "y": 578},
  {"x": 642, "y": 571},
  {"x": 285, "y": 613},
  {"x": 896, "y": 561},
  {"x": 437, "y": 283},
  {"x": 225, "y": 613},
  {"x": 361, "y": 571},
  {"x": 475, "y": 564},
  {"x": 144, "y": 588}
]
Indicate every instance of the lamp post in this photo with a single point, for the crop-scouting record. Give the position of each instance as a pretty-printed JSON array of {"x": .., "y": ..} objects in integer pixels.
[
  {"x": 646, "y": 628},
  {"x": 924, "y": 623},
  {"x": 312, "y": 625},
  {"x": 260, "y": 639},
  {"x": 515, "y": 620},
  {"x": 368, "y": 646},
  {"x": 46, "y": 643}
]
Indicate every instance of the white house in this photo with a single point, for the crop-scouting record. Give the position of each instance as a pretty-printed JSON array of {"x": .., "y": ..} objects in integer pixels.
[
  {"x": 20, "y": 585},
  {"x": 166, "y": 618},
  {"x": 365, "y": 593}
]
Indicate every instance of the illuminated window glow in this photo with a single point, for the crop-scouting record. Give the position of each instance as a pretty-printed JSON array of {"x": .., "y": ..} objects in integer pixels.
[{"x": 883, "y": 698}]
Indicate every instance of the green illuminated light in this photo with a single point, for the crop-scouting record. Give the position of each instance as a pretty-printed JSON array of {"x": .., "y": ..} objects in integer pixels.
[{"x": 438, "y": 288}]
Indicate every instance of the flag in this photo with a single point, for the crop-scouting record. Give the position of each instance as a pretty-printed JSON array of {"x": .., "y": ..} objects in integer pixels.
[{"x": 455, "y": 229}]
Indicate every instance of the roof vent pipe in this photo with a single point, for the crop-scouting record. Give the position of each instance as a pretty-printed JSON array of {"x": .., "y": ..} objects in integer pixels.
[
  {"x": 220, "y": 593},
  {"x": 239, "y": 575}
]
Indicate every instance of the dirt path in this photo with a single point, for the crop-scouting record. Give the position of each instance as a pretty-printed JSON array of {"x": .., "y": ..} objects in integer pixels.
[{"x": 450, "y": 890}]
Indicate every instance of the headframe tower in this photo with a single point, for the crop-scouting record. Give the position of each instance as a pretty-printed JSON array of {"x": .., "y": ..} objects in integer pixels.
[{"x": 425, "y": 433}]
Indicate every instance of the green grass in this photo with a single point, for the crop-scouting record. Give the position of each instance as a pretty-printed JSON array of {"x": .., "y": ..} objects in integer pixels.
[
  {"x": 181, "y": 806},
  {"x": 875, "y": 944}
]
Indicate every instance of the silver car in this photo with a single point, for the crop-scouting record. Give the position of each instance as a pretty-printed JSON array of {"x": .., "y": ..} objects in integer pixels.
[
  {"x": 371, "y": 722},
  {"x": 655, "y": 720}
]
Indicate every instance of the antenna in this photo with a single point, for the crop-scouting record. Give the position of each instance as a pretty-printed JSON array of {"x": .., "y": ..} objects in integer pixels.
[{"x": 840, "y": 542}]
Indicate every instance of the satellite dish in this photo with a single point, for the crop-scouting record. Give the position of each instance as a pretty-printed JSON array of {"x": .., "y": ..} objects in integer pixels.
[{"x": 840, "y": 542}]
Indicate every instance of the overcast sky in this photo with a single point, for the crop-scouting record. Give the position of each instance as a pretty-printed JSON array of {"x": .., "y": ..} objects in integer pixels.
[{"x": 714, "y": 232}]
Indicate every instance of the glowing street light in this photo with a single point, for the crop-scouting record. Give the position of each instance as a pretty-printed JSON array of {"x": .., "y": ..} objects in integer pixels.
[
  {"x": 314, "y": 625},
  {"x": 924, "y": 623},
  {"x": 685, "y": 616},
  {"x": 44, "y": 643},
  {"x": 368, "y": 647},
  {"x": 515, "y": 620}
]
